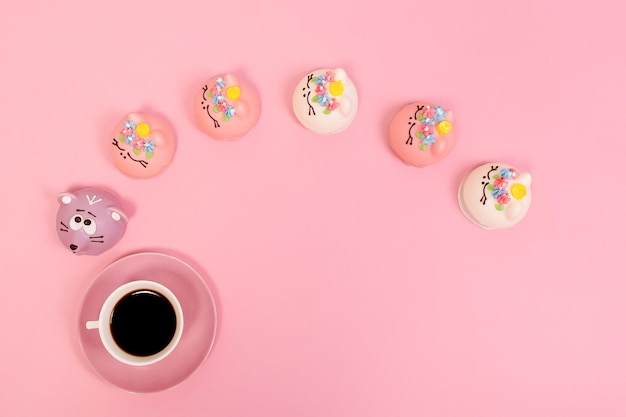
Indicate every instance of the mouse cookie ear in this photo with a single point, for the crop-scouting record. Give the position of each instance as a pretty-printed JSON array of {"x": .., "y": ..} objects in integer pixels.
[
  {"x": 66, "y": 198},
  {"x": 117, "y": 214},
  {"x": 525, "y": 178},
  {"x": 345, "y": 106},
  {"x": 439, "y": 147},
  {"x": 340, "y": 74},
  {"x": 336, "y": 89}
]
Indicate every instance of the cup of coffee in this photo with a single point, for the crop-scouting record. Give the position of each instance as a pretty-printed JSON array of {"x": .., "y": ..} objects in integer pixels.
[{"x": 140, "y": 323}]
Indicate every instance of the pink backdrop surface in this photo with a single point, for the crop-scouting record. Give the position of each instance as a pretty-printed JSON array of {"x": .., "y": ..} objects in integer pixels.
[{"x": 347, "y": 284}]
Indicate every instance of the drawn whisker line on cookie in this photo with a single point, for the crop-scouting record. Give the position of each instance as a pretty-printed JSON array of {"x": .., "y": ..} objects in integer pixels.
[{"x": 409, "y": 141}]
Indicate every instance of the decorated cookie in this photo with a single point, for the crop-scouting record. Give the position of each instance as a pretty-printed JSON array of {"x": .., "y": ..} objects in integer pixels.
[
  {"x": 226, "y": 108},
  {"x": 325, "y": 101},
  {"x": 89, "y": 221},
  {"x": 495, "y": 196},
  {"x": 142, "y": 145},
  {"x": 422, "y": 134}
]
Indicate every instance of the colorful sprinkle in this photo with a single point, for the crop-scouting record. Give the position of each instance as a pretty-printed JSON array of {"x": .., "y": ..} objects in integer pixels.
[
  {"x": 428, "y": 139},
  {"x": 323, "y": 99},
  {"x": 229, "y": 112},
  {"x": 320, "y": 89},
  {"x": 219, "y": 94},
  {"x": 431, "y": 121},
  {"x": 440, "y": 113},
  {"x": 497, "y": 192},
  {"x": 500, "y": 183},
  {"x": 320, "y": 79},
  {"x": 325, "y": 86},
  {"x": 444, "y": 127},
  {"x": 218, "y": 99},
  {"x": 499, "y": 187},
  {"x": 426, "y": 129},
  {"x": 428, "y": 121},
  {"x": 503, "y": 198},
  {"x": 336, "y": 88},
  {"x": 136, "y": 135},
  {"x": 428, "y": 112},
  {"x": 518, "y": 191},
  {"x": 333, "y": 104},
  {"x": 233, "y": 92},
  {"x": 143, "y": 129},
  {"x": 509, "y": 173},
  {"x": 139, "y": 143},
  {"x": 148, "y": 146}
]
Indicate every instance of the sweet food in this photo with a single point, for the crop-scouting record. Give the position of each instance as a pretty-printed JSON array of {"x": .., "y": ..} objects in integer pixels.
[
  {"x": 142, "y": 145},
  {"x": 325, "y": 101},
  {"x": 495, "y": 195},
  {"x": 226, "y": 107},
  {"x": 422, "y": 134},
  {"x": 90, "y": 221}
]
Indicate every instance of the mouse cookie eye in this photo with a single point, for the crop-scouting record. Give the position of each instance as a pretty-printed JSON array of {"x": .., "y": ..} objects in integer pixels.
[
  {"x": 89, "y": 226},
  {"x": 76, "y": 223}
]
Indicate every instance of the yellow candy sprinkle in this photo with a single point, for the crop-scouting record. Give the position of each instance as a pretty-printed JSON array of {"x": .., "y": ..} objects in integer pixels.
[
  {"x": 143, "y": 129},
  {"x": 444, "y": 127},
  {"x": 233, "y": 92},
  {"x": 518, "y": 191},
  {"x": 336, "y": 88}
]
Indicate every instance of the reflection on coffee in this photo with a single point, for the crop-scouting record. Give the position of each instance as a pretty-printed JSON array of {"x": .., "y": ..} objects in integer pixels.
[{"x": 143, "y": 322}]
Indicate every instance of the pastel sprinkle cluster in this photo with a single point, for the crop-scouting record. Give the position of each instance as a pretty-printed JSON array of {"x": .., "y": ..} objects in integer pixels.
[
  {"x": 140, "y": 143},
  {"x": 220, "y": 105},
  {"x": 429, "y": 116},
  {"x": 499, "y": 188},
  {"x": 322, "y": 93}
]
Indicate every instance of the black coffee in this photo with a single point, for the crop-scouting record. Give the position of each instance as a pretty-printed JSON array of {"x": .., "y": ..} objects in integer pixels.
[{"x": 143, "y": 323}]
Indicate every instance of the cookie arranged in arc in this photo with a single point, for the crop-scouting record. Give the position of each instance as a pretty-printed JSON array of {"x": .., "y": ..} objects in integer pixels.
[
  {"x": 226, "y": 107},
  {"x": 325, "y": 101},
  {"x": 495, "y": 195},
  {"x": 89, "y": 220},
  {"x": 142, "y": 145},
  {"x": 422, "y": 134}
]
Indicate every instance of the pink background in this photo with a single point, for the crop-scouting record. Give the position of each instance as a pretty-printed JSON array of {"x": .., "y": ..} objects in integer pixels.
[{"x": 347, "y": 283}]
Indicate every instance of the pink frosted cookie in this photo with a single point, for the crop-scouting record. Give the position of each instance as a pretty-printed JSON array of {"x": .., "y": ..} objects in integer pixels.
[
  {"x": 226, "y": 108},
  {"x": 142, "y": 145},
  {"x": 421, "y": 134},
  {"x": 325, "y": 101},
  {"x": 89, "y": 221},
  {"x": 495, "y": 196}
]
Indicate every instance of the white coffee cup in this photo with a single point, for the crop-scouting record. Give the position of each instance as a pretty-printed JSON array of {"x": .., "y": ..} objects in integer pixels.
[{"x": 106, "y": 317}]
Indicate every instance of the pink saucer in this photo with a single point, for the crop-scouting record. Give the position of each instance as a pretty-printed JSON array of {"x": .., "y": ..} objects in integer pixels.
[{"x": 197, "y": 338}]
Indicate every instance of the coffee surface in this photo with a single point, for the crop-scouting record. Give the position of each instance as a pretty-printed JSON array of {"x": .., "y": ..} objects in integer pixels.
[{"x": 143, "y": 322}]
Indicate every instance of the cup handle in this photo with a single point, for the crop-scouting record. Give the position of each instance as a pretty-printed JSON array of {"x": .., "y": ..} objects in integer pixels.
[{"x": 92, "y": 325}]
